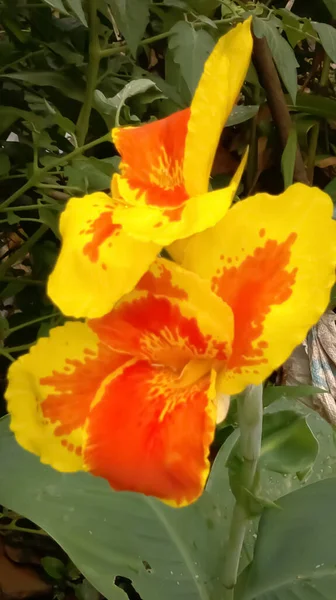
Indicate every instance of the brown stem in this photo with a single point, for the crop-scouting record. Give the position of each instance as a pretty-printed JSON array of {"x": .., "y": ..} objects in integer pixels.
[{"x": 270, "y": 81}]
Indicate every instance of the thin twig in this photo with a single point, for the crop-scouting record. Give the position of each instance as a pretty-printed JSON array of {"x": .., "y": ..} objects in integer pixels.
[{"x": 270, "y": 81}]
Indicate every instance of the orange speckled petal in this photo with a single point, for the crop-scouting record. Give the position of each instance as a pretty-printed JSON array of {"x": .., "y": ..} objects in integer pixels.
[
  {"x": 170, "y": 319},
  {"x": 164, "y": 226},
  {"x": 161, "y": 433},
  {"x": 50, "y": 390}
]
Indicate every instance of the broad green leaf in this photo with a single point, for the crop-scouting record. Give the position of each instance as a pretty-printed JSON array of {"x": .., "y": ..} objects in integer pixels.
[
  {"x": 57, "y": 5},
  {"x": 77, "y": 9},
  {"x": 107, "y": 533},
  {"x": 331, "y": 6},
  {"x": 314, "y": 105},
  {"x": 49, "y": 79},
  {"x": 4, "y": 164},
  {"x": 282, "y": 53},
  {"x": 50, "y": 218},
  {"x": 190, "y": 48},
  {"x": 132, "y": 18},
  {"x": 177, "y": 4},
  {"x": 295, "y": 548},
  {"x": 294, "y": 29},
  {"x": 113, "y": 106},
  {"x": 327, "y": 35},
  {"x": 288, "y": 158},
  {"x": 240, "y": 114}
]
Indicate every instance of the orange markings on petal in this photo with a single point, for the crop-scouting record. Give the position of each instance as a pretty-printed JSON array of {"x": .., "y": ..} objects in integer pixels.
[
  {"x": 161, "y": 284},
  {"x": 152, "y": 160},
  {"x": 161, "y": 433},
  {"x": 100, "y": 229},
  {"x": 154, "y": 328},
  {"x": 251, "y": 289},
  {"x": 75, "y": 387}
]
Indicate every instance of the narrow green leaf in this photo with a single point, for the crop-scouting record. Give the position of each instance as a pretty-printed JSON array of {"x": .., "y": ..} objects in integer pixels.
[
  {"x": 132, "y": 18},
  {"x": 57, "y": 5},
  {"x": 282, "y": 53},
  {"x": 50, "y": 218},
  {"x": 331, "y": 6},
  {"x": 48, "y": 78},
  {"x": 77, "y": 9},
  {"x": 276, "y": 392},
  {"x": 288, "y": 159},
  {"x": 327, "y": 35},
  {"x": 190, "y": 48},
  {"x": 313, "y": 104}
]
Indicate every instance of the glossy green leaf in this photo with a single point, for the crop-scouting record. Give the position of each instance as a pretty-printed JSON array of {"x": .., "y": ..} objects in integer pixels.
[
  {"x": 288, "y": 158},
  {"x": 295, "y": 548},
  {"x": 53, "y": 567},
  {"x": 288, "y": 444},
  {"x": 77, "y": 9},
  {"x": 282, "y": 53},
  {"x": 327, "y": 35},
  {"x": 107, "y": 534},
  {"x": 131, "y": 17},
  {"x": 240, "y": 114},
  {"x": 190, "y": 48}
]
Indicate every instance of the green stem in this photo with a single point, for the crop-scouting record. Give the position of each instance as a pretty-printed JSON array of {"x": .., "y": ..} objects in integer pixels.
[
  {"x": 314, "y": 136},
  {"x": 18, "y": 348},
  {"x": 21, "y": 252},
  {"x": 250, "y": 411},
  {"x": 82, "y": 125},
  {"x": 7, "y": 355},
  {"x": 28, "y": 323},
  {"x": 28, "y": 207},
  {"x": 23, "y": 58},
  {"x": 23, "y": 279},
  {"x": 56, "y": 163}
]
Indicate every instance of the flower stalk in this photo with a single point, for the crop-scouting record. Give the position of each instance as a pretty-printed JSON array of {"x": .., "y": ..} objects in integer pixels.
[{"x": 250, "y": 411}]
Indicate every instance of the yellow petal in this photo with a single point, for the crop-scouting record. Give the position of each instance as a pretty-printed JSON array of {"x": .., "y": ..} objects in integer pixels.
[
  {"x": 163, "y": 226},
  {"x": 98, "y": 262},
  {"x": 50, "y": 390},
  {"x": 218, "y": 90},
  {"x": 272, "y": 259}
]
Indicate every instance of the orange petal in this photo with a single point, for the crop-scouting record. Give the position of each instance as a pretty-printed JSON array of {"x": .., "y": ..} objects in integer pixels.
[
  {"x": 96, "y": 265},
  {"x": 188, "y": 321},
  {"x": 160, "y": 437},
  {"x": 50, "y": 390},
  {"x": 152, "y": 161},
  {"x": 272, "y": 259}
]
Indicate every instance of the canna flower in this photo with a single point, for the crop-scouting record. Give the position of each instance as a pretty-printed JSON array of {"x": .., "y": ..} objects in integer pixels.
[
  {"x": 161, "y": 195},
  {"x": 133, "y": 396}
]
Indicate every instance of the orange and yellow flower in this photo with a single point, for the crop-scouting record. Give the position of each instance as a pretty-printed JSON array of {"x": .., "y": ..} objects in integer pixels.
[
  {"x": 132, "y": 396},
  {"x": 161, "y": 195}
]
